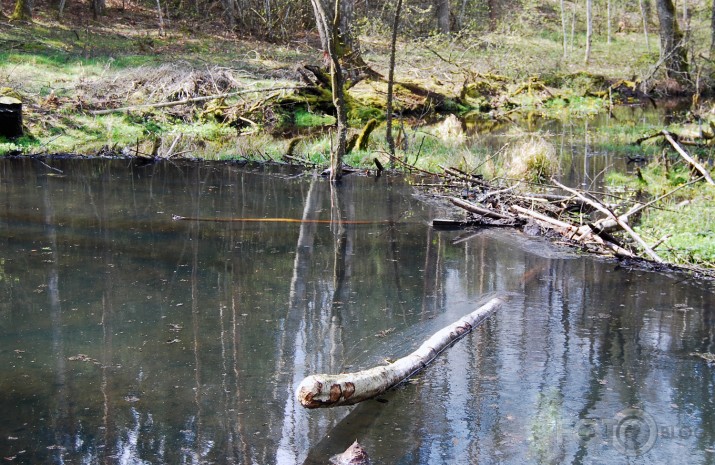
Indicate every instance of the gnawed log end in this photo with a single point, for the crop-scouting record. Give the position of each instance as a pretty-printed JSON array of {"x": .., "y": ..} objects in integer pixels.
[
  {"x": 308, "y": 389},
  {"x": 313, "y": 392}
]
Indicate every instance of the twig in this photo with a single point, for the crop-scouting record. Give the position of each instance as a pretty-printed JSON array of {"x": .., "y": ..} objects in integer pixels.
[
  {"x": 173, "y": 146},
  {"x": 48, "y": 166}
]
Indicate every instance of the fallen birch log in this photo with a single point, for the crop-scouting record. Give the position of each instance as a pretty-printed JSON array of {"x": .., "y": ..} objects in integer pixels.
[{"x": 326, "y": 390}]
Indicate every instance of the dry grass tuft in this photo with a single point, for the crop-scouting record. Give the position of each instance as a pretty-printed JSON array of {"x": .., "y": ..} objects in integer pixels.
[{"x": 533, "y": 159}]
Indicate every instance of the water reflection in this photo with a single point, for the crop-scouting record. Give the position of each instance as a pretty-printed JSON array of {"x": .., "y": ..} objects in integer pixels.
[
  {"x": 126, "y": 337},
  {"x": 588, "y": 147}
]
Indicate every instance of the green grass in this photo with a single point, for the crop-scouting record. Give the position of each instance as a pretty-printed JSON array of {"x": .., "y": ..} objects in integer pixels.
[
  {"x": 687, "y": 216},
  {"x": 305, "y": 119}
]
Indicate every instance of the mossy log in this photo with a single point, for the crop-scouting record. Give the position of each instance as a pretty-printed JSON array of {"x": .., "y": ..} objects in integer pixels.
[{"x": 364, "y": 136}]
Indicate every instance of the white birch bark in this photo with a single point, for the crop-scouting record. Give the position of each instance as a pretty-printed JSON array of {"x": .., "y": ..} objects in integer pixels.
[{"x": 326, "y": 390}]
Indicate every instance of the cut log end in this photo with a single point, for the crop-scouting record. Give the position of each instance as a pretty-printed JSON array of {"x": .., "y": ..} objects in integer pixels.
[{"x": 318, "y": 391}]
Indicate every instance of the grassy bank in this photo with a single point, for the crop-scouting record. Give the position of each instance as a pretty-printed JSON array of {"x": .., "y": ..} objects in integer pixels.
[{"x": 63, "y": 71}]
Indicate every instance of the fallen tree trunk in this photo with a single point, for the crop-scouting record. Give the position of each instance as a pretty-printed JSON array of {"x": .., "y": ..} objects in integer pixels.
[{"x": 326, "y": 390}]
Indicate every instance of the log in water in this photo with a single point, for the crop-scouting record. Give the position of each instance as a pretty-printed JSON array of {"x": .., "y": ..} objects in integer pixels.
[{"x": 350, "y": 388}]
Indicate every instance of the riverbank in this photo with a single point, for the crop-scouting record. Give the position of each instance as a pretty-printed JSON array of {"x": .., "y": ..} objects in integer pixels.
[{"x": 246, "y": 98}]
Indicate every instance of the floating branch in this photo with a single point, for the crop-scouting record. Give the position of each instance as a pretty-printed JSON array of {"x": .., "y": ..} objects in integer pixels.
[
  {"x": 271, "y": 220},
  {"x": 350, "y": 388}
]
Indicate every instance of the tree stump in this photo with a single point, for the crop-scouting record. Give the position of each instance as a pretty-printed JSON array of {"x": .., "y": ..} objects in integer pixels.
[{"x": 10, "y": 117}]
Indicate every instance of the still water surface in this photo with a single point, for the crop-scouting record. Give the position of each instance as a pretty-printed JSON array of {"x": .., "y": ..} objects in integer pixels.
[{"x": 130, "y": 338}]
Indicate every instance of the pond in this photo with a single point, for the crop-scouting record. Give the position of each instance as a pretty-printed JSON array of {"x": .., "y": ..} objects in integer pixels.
[{"x": 129, "y": 337}]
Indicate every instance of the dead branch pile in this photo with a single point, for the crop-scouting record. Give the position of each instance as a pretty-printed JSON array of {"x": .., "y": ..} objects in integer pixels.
[
  {"x": 580, "y": 218},
  {"x": 178, "y": 89}
]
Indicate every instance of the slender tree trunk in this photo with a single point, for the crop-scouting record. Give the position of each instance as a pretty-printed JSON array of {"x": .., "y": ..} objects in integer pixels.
[
  {"x": 22, "y": 11},
  {"x": 443, "y": 23},
  {"x": 462, "y": 12},
  {"x": 672, "y": 48},
  {"x": 346, "y": 40},
  {"x": 564, "y": 28},
  {"x": 390, "y": 84},
  {"x": 161, "y": 18},
  {"x": 644, "y": 14},
  {"x": 493, "y": 14},
  {"x": 608, "y": 22},
  {"x": 573, "y": 25},
  {"x": 99, "y": 8},
  {"x": 229, "y": 7},
  {"x": 712, "y": 32},
  {"x": 330, "y": 27},
  {"x": 589, "y": 29}
]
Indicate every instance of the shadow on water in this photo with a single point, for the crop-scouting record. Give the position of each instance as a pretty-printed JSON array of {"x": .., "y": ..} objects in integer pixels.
[{"x": 126, "y": 337}]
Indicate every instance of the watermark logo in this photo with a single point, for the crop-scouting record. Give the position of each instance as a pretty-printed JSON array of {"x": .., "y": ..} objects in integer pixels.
[
  {"x": 634, "y": 432},
  {"x": 631, "y": 432}
]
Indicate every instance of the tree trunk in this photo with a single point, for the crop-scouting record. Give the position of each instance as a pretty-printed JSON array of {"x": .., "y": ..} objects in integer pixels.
[
  {"x": 608, "y": 22},
  {"x": 331, "y": 29},
  {"x": 99, "y": 8},
  {"x": 350, "y": 388},
  {"x": 443, "y": 23},
  {"x": 712, "y": 32},
  {"x": 390, "y": 84},
  {"x": 61, "y": 8},
  {"x": 563, "y": 28},
  {"x": 347, "y": 42},
  {"x": 229, "y": 7},
  {"x": 672, "y": 48},
  {"x": 589, "y": 29},
  {"x": 644, "y": 14},
  {"x": 10, "y": 117},
  {"x": 22, "y": 11}
]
